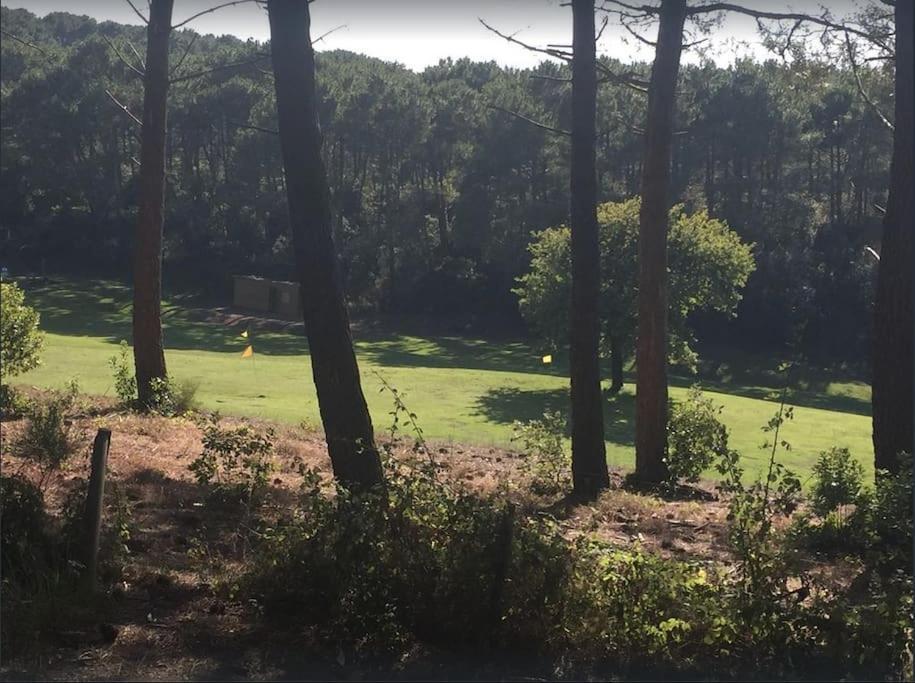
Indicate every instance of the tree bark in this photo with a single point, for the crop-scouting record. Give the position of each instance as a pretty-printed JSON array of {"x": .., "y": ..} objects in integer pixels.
[
  {"x": 589, "y": 461},
  {"x": 892, "y": 362},
  {"x": 148, "y": 350},
  {"x": 651, "y": 350},
  {"x": 344, "y": 413},
  {"x": 616, "y": 364}
]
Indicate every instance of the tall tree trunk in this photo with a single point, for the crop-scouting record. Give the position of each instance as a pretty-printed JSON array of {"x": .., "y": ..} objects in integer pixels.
[
  {"x": 148, "y": 352},
  {"x": 344, "y": 413},
  {"x": 892, "y": 364},
  {"x": 589, "y": 461},
  {"x": 651, "y": 350},
  {"x": 616, "y": 364},
  {"x": 443, "y": 241}
]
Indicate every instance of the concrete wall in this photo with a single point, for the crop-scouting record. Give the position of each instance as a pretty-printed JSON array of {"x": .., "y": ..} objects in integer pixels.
[
  {"x": 274, "y": 298},
  {"x": 251, "y": 292}
]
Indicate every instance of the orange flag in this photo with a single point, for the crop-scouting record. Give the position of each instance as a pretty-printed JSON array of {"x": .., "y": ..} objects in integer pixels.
[{"x": 248, "y": 352}]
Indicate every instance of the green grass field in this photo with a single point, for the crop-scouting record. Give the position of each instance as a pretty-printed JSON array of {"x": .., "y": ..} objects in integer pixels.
[{"x": 463, "y": 390}]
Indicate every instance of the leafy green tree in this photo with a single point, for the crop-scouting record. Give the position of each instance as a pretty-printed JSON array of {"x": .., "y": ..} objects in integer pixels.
[
  {"x": 20, "y": 340},
  {"x": 709, "y": 267}
]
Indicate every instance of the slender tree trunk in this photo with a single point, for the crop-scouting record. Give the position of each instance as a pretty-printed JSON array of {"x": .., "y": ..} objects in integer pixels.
[
  {"x": 651, "y": 351},
  {"x": 443, "y": 241},
  {"x": 344, "y": 413},
  {"x": 616, "y": 364},
  {"x": 148, "y": 352},
  {"x": 892, "y": 364},
  {"x": 589, "y": 461}
]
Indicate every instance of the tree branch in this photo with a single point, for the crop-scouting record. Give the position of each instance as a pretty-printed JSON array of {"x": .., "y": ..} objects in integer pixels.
[
  {"x": 557, "y": 54},
  {"x": 221, "y": 67},
  {"x": 138, "y": 13},
  {"x": 252, "y": 127},
  {"x": 211, "y": 9},
  {"x": 566, "y": 56},
  {"x": 123, "y": 108},
  {"x": 123, "y": 59},
  {"x": 778, "y": 16},
  {"x": 136, "y": 54},
  {"x": 187, "y": 51},
  {"x": 637, "y": 36},
  {"x": 627, "y": 79},
  {"x": 603, "y": 26},
  {"x": 327, "y": 33},
  {"x": 557, "y": 79},
  {"x": 551, "y": 129},
  {"x": 25, "y": 42},
  {"x": 861, "y": 91}
]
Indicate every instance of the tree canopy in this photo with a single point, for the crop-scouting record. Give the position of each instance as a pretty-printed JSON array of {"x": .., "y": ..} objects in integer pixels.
[{"x": 709, "y": 268}]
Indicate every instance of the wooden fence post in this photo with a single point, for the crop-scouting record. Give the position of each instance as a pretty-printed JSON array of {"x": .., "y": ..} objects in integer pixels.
[{"x": 94, "y": 506}]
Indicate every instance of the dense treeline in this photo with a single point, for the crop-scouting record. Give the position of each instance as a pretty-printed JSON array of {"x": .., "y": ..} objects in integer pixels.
[{"x": 437, "y": 189}]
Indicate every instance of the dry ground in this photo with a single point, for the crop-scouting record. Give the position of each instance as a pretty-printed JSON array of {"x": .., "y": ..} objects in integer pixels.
[{"x": 164, "y": 619}]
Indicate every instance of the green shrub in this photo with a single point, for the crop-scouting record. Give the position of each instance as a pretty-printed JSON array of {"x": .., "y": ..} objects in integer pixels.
[
  {"x": 547, "y": 461},
  {"x": 168, "y": 397},
  {"x": 20, "y": 339},
  {"x": 427, "y": 563},
  {"x": 13, "y": 405},
  {"x": 888, "y": 513},
  {"x": 49, "y": 437},
  {"x": 125, "y": 384},
  {"x": 833, "y": 534},
  {"x": 635, "y": 606},
  {"x": 234, "y": 458},
  {"x": 696, "y": 438},
  {"x": 24, "y": 541},
  {"x": 765, "y": 564},
  {"x": 377, "y": 569},
  {"x": 837, "y": 479},
  {"x": 171, "y": 398}
]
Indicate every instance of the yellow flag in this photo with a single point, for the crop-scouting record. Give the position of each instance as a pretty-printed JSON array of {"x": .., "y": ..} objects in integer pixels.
[
  {"x": 244, "y": 334},
  {"x": 548, "y": 359},
  {"x": 248, "y": 352}
]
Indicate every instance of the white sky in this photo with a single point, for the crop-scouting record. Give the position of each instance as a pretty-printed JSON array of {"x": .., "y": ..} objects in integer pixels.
[{"x": 418, "y": 33}]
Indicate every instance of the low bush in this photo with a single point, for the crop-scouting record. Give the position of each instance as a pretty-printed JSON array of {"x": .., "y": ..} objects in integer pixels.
[
  {"x": 425, "y": 562},
  {"x": 13, "y": 405},
  {"x": 172, "y": 398},
  {"x": 696, "y": 438},
  {"x": 547, "y": 462},
  {"x": 235, "y": 458},
  {"x": 24, "y": 543},
  {"x": 837, "y": 479},
  {"x": 49, "y": 437},
  {"x": 169, "y": 397},
  {"x": 125, "y": 384},
  {"x": 888, "y": 513}
]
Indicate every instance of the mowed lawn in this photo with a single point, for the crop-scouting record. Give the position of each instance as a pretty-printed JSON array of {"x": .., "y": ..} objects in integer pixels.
[{"x": 463, "y": 390}]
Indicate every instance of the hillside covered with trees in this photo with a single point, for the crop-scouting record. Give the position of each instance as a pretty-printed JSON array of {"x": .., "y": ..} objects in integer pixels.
[
  {"x": 597, "y": 370},
  {"x": 437, "y": 189}
]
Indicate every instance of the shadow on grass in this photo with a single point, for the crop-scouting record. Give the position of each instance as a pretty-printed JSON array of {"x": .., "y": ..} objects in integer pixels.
[
  {"x": 814, "y": 395},
  {"x": 506, "y": 355},
  {"x": 103, "y": 309},
  {"x": 506, "y": 405}
]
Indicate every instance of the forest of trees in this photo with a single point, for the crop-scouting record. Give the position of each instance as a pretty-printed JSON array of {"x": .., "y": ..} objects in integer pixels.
[
  {"x": 645, "y": 212},
  {"x": 438, "y": 187}
]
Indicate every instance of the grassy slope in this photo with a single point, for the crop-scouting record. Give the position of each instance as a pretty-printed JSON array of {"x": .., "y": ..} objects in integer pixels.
[{"x": 463, "y": 390}]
